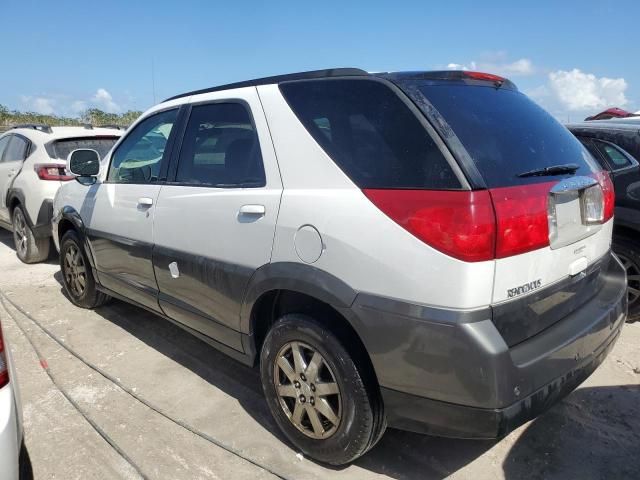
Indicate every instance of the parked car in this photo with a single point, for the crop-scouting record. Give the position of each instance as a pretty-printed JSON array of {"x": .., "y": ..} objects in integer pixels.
[
  {"x": 32, "y": 168},
  {"x": 616, "y": 146},
  {"x": 428, "y": 251},
  {"x": 11, "y": 433},
  {"x": 611, "y": 113}
]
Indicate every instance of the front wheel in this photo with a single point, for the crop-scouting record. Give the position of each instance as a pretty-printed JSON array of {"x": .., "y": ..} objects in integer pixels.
[
  {"x": 77, "y": 277},
  {"x": 316, "y": 392}
]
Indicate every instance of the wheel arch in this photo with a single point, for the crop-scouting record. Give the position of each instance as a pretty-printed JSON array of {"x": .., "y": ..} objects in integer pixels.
[
  {"x": 15, "y": 197},
  {"x": 70, "y": 219},
  {"x": 280, "y": 288}
]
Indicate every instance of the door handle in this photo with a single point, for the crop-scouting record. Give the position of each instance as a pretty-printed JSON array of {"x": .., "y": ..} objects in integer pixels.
[
  {"x": 11, "y": 173},
  {"x": 252, "y": 210},
  {"x": 145, "y": 202}
]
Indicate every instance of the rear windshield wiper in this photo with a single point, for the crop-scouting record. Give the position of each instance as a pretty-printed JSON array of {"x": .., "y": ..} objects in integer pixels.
[{"x": 549, "y": 171}]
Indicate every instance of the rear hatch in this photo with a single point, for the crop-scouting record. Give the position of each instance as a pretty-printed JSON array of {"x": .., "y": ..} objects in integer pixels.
[
  {"x": 553, "y": 205},
  {"x": 61, "y": 148}
]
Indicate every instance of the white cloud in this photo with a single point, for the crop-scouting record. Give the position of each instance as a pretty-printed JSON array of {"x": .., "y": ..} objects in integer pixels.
[
  {"x": 103, "y": 98},
  {"x": 577, "y": 90},
  {"x": 78, "y": 106},
  {"x": 42, "y": 105},
  {"x": 497, "y": 63},
  {"x": 65, "y": 105}
]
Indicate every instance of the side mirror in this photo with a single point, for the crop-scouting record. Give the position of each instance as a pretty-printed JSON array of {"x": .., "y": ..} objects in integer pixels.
[{"x": 84, "y": 163}]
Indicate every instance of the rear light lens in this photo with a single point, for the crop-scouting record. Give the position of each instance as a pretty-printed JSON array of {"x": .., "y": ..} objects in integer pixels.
[
  {"x": 52, "y": 172},
  {"x": 593, "y": 205},
  {"x": 608, "y": 193},
  {"x": 522, "y": 218},
  {"x": 4, "y": 368},
  {"x": 458, "y": 223},
  {"x": 481, "y": 225}
]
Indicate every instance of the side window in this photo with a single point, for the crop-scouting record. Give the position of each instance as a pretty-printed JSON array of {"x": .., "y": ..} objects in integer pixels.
[
  {"x": 593, "y": 150},
  {"x": 614, "y": 156},
  {"x": 17, "y": 149},
  {"x": 4, "y": 141},
  {"x": 220, "y": 148},
  {"x": 139, "y": 157},
  {"x": 370, "y": 133}
]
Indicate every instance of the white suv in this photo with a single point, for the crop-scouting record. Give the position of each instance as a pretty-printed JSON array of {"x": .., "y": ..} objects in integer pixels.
[
  {"x": 32, "y": 168},
  {"x": 429, "y": 251}
]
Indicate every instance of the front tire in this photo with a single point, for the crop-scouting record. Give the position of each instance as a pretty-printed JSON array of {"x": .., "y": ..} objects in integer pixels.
[
  {"x": 628, "y": 251},
  {"x": 316, "y": 392},
  {"x": 77, "y": 276},
  {"x": 29, "y": 249}
]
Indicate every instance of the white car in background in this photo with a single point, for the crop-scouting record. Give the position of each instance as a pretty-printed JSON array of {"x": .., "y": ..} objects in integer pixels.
[
  {"x": 32, "y": 168},
  {"x": 11, "y": 433}
]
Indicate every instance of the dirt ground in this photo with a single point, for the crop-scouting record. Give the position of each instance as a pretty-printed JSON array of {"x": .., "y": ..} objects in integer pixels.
[{"x": 185, "y": 411}]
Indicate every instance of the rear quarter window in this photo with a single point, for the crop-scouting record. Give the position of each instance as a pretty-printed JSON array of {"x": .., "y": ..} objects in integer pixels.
[{"x": 370, "y": 133}]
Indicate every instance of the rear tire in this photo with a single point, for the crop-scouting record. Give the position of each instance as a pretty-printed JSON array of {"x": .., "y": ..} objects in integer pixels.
[
  {"x": 629, "y": 253},
  {"x": 77, "y": 276},
  {"x": 29, "y": 249},
  {"x": 334, "y": 427}
]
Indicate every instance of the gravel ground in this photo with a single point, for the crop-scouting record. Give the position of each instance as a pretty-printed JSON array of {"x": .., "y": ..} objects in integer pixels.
[{"x": 189, "y": 412}]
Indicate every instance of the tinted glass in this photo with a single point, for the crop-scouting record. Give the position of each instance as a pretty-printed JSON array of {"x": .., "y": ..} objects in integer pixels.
[
  {"x": 139, "y": 156},
  {"x": 4, "y": 141},
  {"x": 593, "y": 150},
  {"x": 220, "y": 148},
  {"x": 615, "y": 156},
  {"x": 370, "y": 133},
  {"x": 62, "y": 148},
  {"x": 16, "y": 150},
  {"x": 505, "y": 132}
]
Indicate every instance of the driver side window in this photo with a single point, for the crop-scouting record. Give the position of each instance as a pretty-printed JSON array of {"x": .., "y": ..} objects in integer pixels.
[{"x": 139, "y": 157}]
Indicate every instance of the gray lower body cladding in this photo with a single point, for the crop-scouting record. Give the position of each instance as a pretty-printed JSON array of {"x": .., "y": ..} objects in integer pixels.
[{"x": 452, "y": 373}]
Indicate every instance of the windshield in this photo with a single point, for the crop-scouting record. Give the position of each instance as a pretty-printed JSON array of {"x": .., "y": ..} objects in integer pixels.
[
  {"x": 506, "y": 133},
  {"x": 62, "y": 148}
]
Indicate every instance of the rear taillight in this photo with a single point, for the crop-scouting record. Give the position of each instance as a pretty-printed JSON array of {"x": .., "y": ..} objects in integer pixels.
[
  {"x": 487, "y": 224},
  {"x": 458, "y": 223},
  {"x": 521, "y": 217},
  {"x": 52, "y": 172},
  {"x": 4, "y": 368},
  {"x": 608, "y": 193}
]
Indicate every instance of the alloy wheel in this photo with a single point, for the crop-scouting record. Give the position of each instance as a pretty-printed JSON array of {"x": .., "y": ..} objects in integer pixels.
[
  {"x": 633, "y": 279},
  {"x": 75, "y": 271},
  {"x": 307, "y": 390},
  {"x": 20, "y": 233}
]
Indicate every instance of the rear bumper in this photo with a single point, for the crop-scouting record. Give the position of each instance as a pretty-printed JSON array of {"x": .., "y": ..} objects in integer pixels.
[
  {"x": 451, "y": 373},
  {"x": 422, "y": 415},
  {"x": 42, "y": 227}
]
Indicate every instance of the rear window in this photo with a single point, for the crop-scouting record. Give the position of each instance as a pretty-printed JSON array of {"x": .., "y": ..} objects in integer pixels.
[
  {"x": 62, "y": 148},
  {"x": 370, "y": 133},
  {"x": 505, "y": 132}
]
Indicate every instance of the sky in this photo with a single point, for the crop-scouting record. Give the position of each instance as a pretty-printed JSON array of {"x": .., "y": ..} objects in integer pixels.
[{"x": 575, "y": 58}]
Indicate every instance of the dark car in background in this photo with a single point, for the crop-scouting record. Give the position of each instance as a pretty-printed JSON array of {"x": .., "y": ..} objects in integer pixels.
[{"x": 616, "y": 146}]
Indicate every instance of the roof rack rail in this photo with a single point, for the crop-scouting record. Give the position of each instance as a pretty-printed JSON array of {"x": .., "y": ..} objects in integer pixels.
[
  {"x": 331, "y": 72},
  {"x": 41, "y": 127},
  {"x": 112, "y": 125}
]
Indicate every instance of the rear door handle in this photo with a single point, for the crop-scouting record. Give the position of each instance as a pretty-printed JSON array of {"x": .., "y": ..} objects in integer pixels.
[
  {"x": 258, "y": 210},
  {"x": 11, "y": 173},
  {"x": 145, "y": 202}
]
